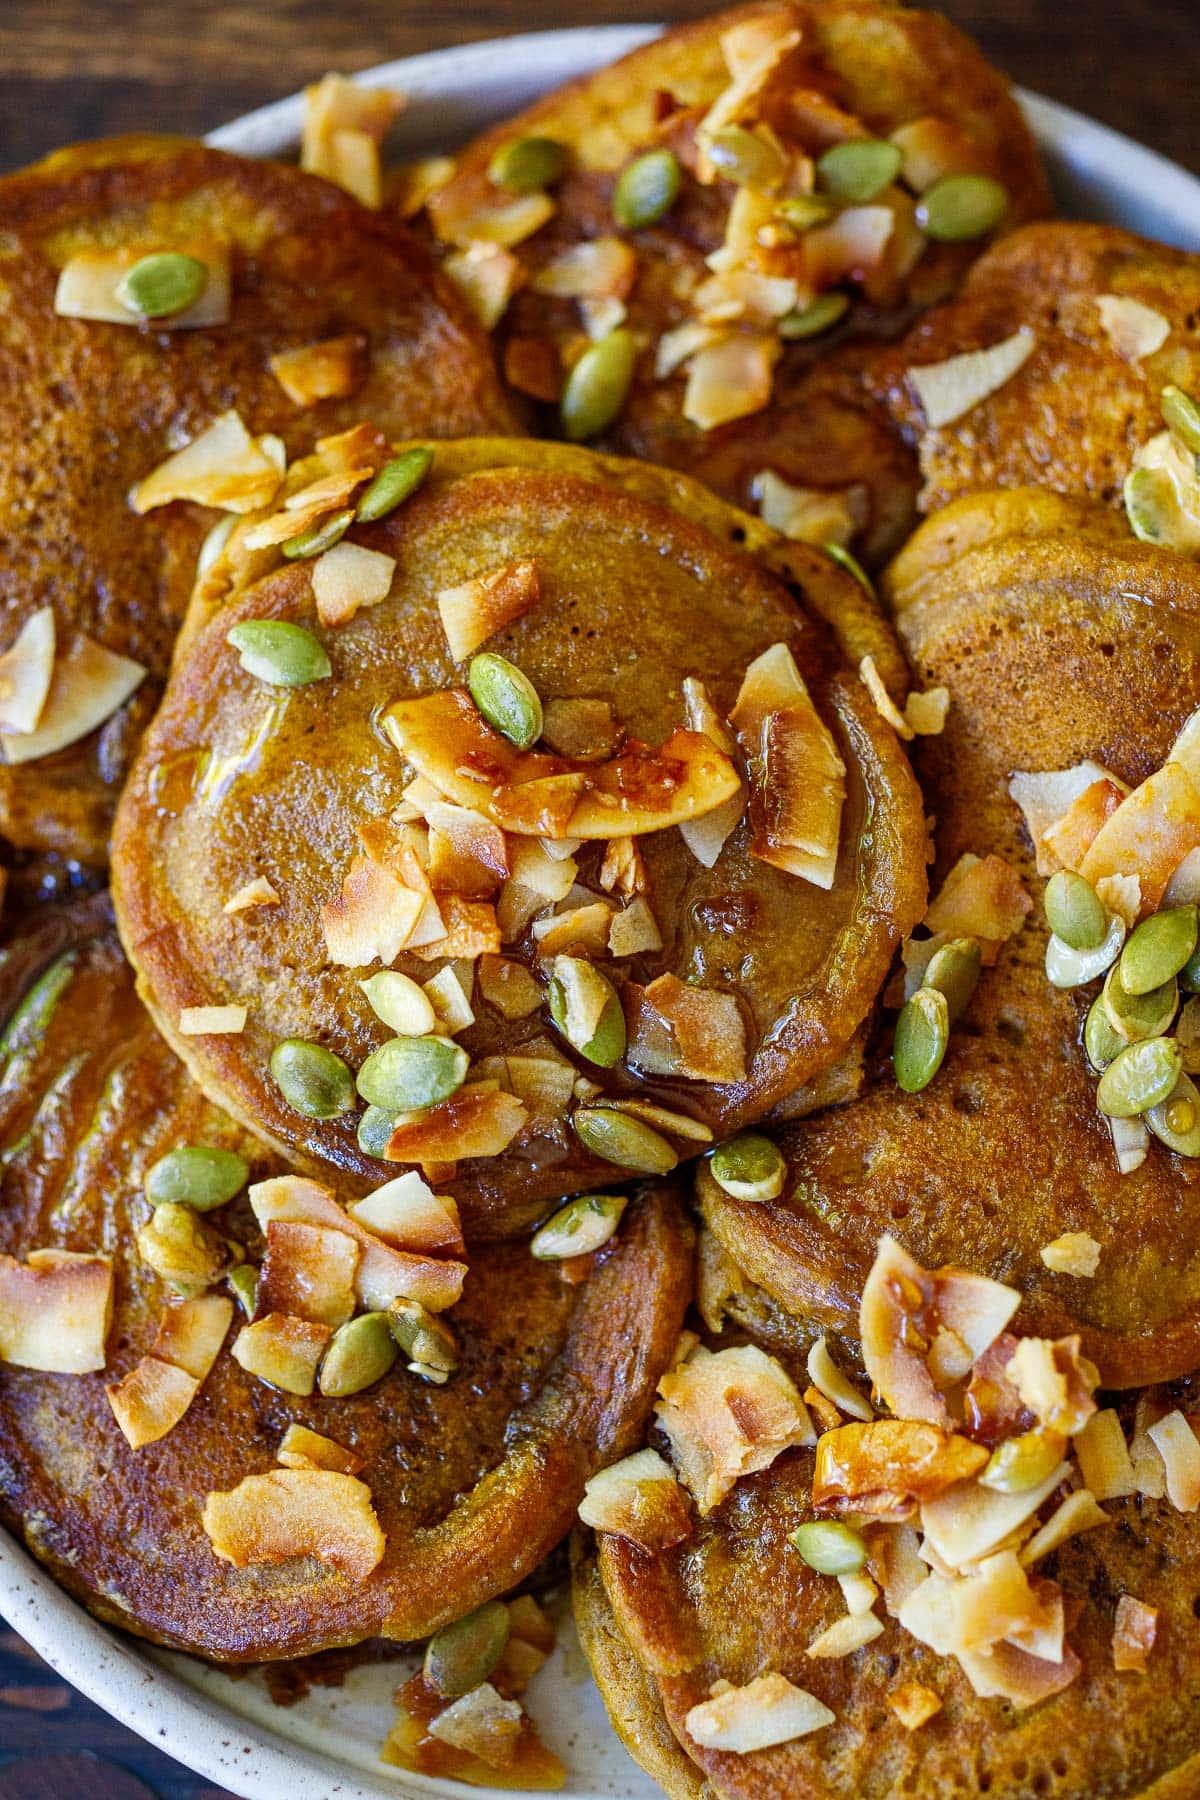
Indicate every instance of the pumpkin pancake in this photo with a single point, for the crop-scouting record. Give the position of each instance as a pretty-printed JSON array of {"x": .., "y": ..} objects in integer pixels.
[
  {"x": 1061, "y": 639},
  {"x": 89, "y": 408},
  {"x": 1112, "y": 318},
  {"x": 618, "y": 590},
  {"x": 730, "y": 379},
  {"x": 471, "y": 1483}
]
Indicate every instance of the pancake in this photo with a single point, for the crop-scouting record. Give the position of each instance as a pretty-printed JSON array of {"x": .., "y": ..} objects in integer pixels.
[
  {"x": 472, "y": 1482},
  {"x": 637, "y": 592},
  {"x": 88, "y": 409},
  {"x": 1074, "y": 414},
  {"x": 1047, "y": 600},
  {"x": 884, "y": 65}
]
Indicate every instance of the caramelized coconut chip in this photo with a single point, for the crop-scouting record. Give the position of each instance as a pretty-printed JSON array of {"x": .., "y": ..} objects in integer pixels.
[
  {"x": 87, "y": 684},
  {"x": 308, "y": 1272},
  {"x": 768, "y": 1711},
  {"x": 797, "y": 778},
  {"x": 153, "y": 1397},
  {"x": 886, "y": 1467},
  {"x": 728, "y": 1414},
  {"x": 26, "y": 668},
  {"x": 296, "y": 1512},
  {"x": 344, "y": 126},
  {"x": 482, "y": 606},
  {"x": 639, "y": 1499},
  {"x": 694, "y": 1032},
  {"x": 223, "y": 467},
  {"x": 55, "y": 1311},
  {"x": 90, "y": 284},
  {"x": 329, "y": 370},
  {"x": 300, "y": 1448}
]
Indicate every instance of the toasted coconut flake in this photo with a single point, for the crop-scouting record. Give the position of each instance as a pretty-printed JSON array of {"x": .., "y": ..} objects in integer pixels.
[
  {"x": 26, "y": 670},
  {"x": 798, "y": 783},
  {"x": 707, "y": 837},
  {"x": 508, "y": 986},
  {"x": 705, "y": 1028},
  {"x": 470, "y": 929},
  {"x": 1149, "y": 1474},
  {"x": 473, "y": 210},
  {"x": 914, "y": 1704},
  {"x": 634, "y": 930},
  {"x": 406, "y": 1212},
  {"x": 283, "y": 1351},
  {"x": 703, "y": 716},
  {"x": 1008, "y": 1673},
  {"x": 595, "y": 269},
  {"x": 884, "y": 1468},
  {"x": 191, "y": 1332},
  {"x": 89, "y": 280},
  {"x": 967, "y": 1522},
  {"x": 371, "y": 919},
  {"x": 1135, "y": 1627},
  {"x": 925, "y": 714},
  {"x": 413, "y": 183},
  {"x": 300, "y": 1448},
  {"x": 730, "y": 379},
  {"x": 212, "y": 1021},
  {"x": 834, "y": 1383},
  {"x": 1066, "y": 842},
  {"x": 467, "y": 853},
  {"x": 579, "y": 931},
  {"x": 296, "y": 1512},
  {"x": 1133, "y": 328},
  {"x": 258, "y": 892},
  {"x": 767, "y": 1711},
  {"x": 752, "y": 52},
  {"x": 544, "y": 1084},
  {"x": 55, "y": 1310},
  {"x": 1045, "y": 798},
  {"x": 1078, "y": 1512},
  {"x": 859, "y": 1592},
  {"x": 349, "y": 577},
  {"x": 547, "y": 876},
  {"x": 308, "y": 1272},
  {"x": 948, "y": 390},
  {"x": 819, "y": 1405},
  {"x": 623, "y": 869},
  {"x": 151, "y": 1399},
  {"x": 1176, "y": 1443},
  {"x": 982, "y": 898},
  {"x": 679, "y": 345},
  {"x": 1104, "y": 1458},
  {"x": 581, "y": 729},
  {"x": 811, "y": 515},
  {"x": 726, "y": 1415},
  {"x": 639, "y": 1499},
  {"x": 482, "y": 1724},
  {"x": 449, "y": 992},
  {"x": 933, "y": 147},
  {"x": 853, "y": 246},
  {"x": 845, "y": 1636},
  {"x": 329, "y": 370},
  {"x": 475, "y": 610},
  {"x": 1121, "y": 895},
  {"x": 88, "y": 684},
  {"x": 884, "y": 705},
  {"x": 994, "y": 1603},
  {"x": 344, "y": 125},
  {"x": 487, "y": 276},
  {"x": 1149, "y": 834},
  {"x": 471, "y": 1123},
  {"x": 1055, "y": 1382},
  {"x": 1075, "y": 1253},
  {"x": 223, "y": 467}
]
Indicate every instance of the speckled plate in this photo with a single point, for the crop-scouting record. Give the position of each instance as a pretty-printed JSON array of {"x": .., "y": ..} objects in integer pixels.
[{"x": 326, "y": 1746}]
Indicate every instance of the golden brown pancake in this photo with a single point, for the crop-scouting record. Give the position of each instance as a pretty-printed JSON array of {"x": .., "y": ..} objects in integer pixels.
[
  {"x": 88, "y": 409},
  {"x": 884, "y": 64},
  {"x": 473, "y": 1483},
  {"x": 637, "y": 593},
  {"x": 1060, "y": 638},
  {"x": 1072, "y": 417}
]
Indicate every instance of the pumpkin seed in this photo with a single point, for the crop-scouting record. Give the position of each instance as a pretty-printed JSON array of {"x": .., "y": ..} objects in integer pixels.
[
  {"x": 803, "y": 211},
  {"x": 525, "y": 165},
  {"x": 423, "y": 1337},
  {"x": 597, "y": 386},
  {"x": 745, "y": 158},
  {"x": 1137, "y": 1016},
  {"x": 1021, "y": 1463},
  {"x": 312, "y": 1079},
  {"x": 244, "y": 1282},
  {"x": 395, "y": 482},
  {"x": 646, "y": 190},
  {"x": 1157, "y": 949},
  {"x": 1149, "y": 505},
  {"x": 1189, "y": 975},
  {"x": 749, "y": 1167},
  {"x": 196, "y": 1176},
  {"x": 1182, "y": 416},
  {"x": 163, "y": 284},
  {"x": 360, "y": 1353},
  {"x": 859, "y": 169},
  {"x": 278, "y": 652},
  {"x": 578, "y": 1228},
  {"x": 1100, "y": 1041},
  {"x": 406, "y": 1074},
  {"x": 922, "y": 1034},
  {"x": 319, "y": 537},
  {"x": 959, "y": 207},
  {"x": 852, "y": 566},
  {"x": 830, "y": 1547},
  {"x": 374, "y": 1130},
  {"x": 1067, "y": 968},
  {"x": 954, "y": 971},
  {"x": 1176, "y": 1120},
  {"x": 461, "y": 1656},
  {"x": 1142, "y": 1076},
  {"x": 575, "y": 980},
  {"x": 1074, "y": 911},
  {"x": 507, "y": 698},
  {"x": 623, "y": 1140},
  {"x": 810, "y": 321},
  {"x": 179, "y": 1246},
  {"x": 403, "y": 1007}
]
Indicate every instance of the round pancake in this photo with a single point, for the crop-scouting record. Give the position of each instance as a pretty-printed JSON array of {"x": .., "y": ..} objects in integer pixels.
[
  {"x": 636, "y": 594},
  {"x": 1073, "y": 415},
  {"x": 88, "y": 409},
  {"x": 473, "y": 1483},
  {"x": 735, "y": 1601},
  {"x": 885, "y": 64},
  {"x": 1004, "y": 1151}
]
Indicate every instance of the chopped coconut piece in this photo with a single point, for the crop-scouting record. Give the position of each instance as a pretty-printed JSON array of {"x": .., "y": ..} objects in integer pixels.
[
  {"x": 487, "y": 276},
  {"x": 1151, "y": 832},
  {"x": 1075, "y": 1253},
  {"x": 212, "y": 1021},
  {"x": 925, "y": 714},
  {"x": 475, "y": 610},
  {"x": 949, "y": 390},
  {"x": 982, "y": 898},
  {"x": 372, "y": 918},
  {"x": 508, "y": 986},
  {"x": 449, "y": 992},
  {"x": 308, "y": 1273},
  {"x": 473, "y": 1122},
  {"x": 1134, "y": 329},
  {"x": 224, "y": 466},
  {"x": 884, "y": 705},
  {"x": 55, "y": 1310},
  {"x": 406, "y": 1212},
  {"x": 634, "y": 930},
  {"x": 344, "y": 125},
  {"x": 150, "y": 1400},
  {"x": 968, "y": 1522},
  {"x": 730, "y": 379},
  {"x": 348, "y": 577},
  {"x": 1135, "y": 1626},
  {"x": 282, "y": 1351},
  {"x": 640, "y": 1499},
  {"x": 811, "y": 515},
  {"x": 767, "y": 1711},
  {"x": 1078, "y": 1512},
  {"x": 1131, "y": 1141},
  {"x": 1055, "y": 1382},
  {"x": 913, "y": 1704},
  {"x": 1045, "y": 798},
  {"x": 191, "y": 1332},
  {"x": 90, "y": 280},
  {"x": 798, "y": 784},
  {"x": 704, "y": 1028},
  {"x": 824, "y": 1373},
  {"x": 1176, "y": 1443},
  {"x": 300, "y": 1448},
  {"x": 258, "y": 892},
  {"x": 296, "y": 1512},
  {"x": 87, "y": 686},
  {"x": 1104, "y": 1457},
  {"x": 329, "y": 370},
  {"x": 483, "y": 1724},
  {"x": 845, "y": 1636},
  {"x": 26, "y": 669},
  {"x": 728, "y": 1414}
]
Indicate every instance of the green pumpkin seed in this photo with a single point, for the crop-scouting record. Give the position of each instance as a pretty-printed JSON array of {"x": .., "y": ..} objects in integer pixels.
[
  {"x": 830, "y": 1547},
  {"x": 179, "y": 1246},
  {"x": 319, "y": 537},
  {"x": 597, "y": 386},
  {"x": 575, "y": 983},
  {"x": 423, "y": 1337},
  {"x": 1074, "y": 911},
  {"x": 922, "y": 1034},
  {"x": 1189, "y": 975},
  {"x": 749, "y": 1167},
  {"x": 959, "y": 207},
  {"x": 403, "y": 1007},
  {"x": 1100, "y": 1041},
  {"x": 954, "y": 971},
  {"x": 1176, "y": 1120},
  {"x": 461, "y": 1656},
  {"x": 27, "y": 1026},
  {"x": 312, "y": 1079},
  {"x": 1137, "y": 1016},
  {"x": 1158, "y": 948},
  {"x": 852, "y": 566},
  {"x": 244, "y": 1282},
  {"x": 646, "y": 190},
  {"x": 507, "y": 698},
  {"x": 859, "y": 169},
  {"x": 278, "y": 652},
  {"x": 395, "y": 482},
  {"x": 1182, "y": 416},
  {"x": 360, "y": 1353},
  {"x": 1021, "y": 1463},
  {"x": 578, "y": 1228},
  {"x": 374, "y": 1130},
  {"x": 196, "y": 1176},
  {"x": 804, "y": 211},
  {"x": 623, "y": 1140},
  {"x": 745, "y": 158},
  {"x": 1068, "y": 968},
  {"x": 1142, "y": 1076},
  {"x": 1149, "y": 505},
  {"x": 525, "y": 165},
  {"x": 163, "y": 284},
  {"x": 810, "y": 321},
  {"x": 406, "y": 1074}
]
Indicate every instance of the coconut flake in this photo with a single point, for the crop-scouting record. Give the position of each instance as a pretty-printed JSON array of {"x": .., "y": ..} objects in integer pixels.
[
  {"x": 948, "y": 390},
  {"x": 290, "y": 1513},
  {"x": 1075, "y": 1253},
  {"x": 26, "y": 669},
  {"x": 1176, "y": 1443},
  {"x": 1134, "y": 329},
  {"x": 55, "y": 1310},
  {"x": 640, "y": 1499},
  {"x": 88, "y": 684},
  {"x": 1135, "y": 1626},
  {"x": 487, "y": 276},
  {"x": 474, "y": 611},
  {"x": 212, "y": 1021},
  {"x": 728, "y": 1414},
  {"x": 89, "y": 280},
  {"x": 768, "y": 1710}
]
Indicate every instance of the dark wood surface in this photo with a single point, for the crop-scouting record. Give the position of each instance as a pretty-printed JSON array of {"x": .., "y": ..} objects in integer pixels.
[{"x": 80, "y": 68}]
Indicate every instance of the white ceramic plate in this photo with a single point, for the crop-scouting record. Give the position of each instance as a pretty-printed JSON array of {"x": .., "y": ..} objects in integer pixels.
[{"x": 327, "y": 1745}]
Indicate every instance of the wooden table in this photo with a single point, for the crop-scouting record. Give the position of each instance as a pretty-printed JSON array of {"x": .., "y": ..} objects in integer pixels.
[{"x": 80, "y": 68}]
